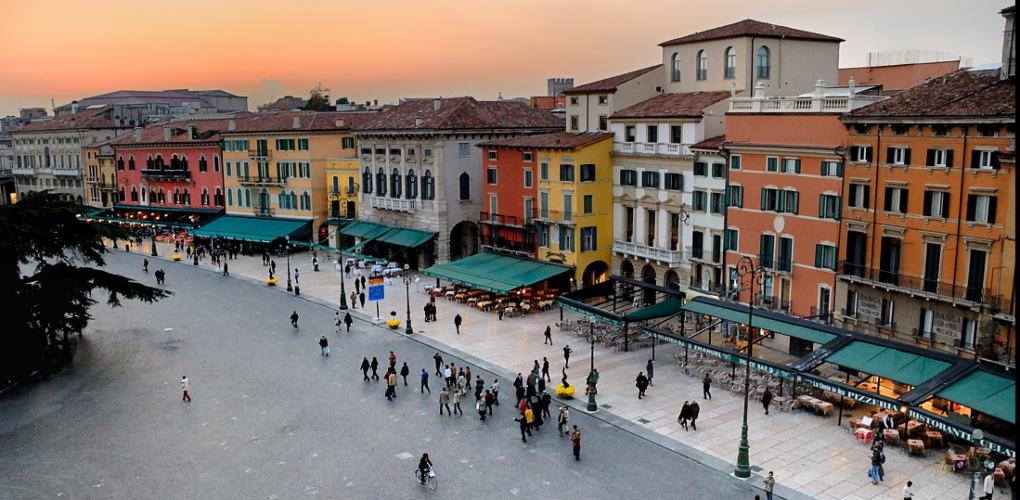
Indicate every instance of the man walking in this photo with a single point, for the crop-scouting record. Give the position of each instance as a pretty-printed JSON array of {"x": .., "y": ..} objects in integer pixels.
[
  {"x": 457, "y": 394},
  {"x": 495, "y": 392},
  {"x": 404, "y": 372},
  {"x": 648, "y": 368},
  {"x": 145, "y": 265},
  {"x": 562, "y": 419},
  {"x": 225, "y": 271},
  {"x": 348, "y": 320},
  {"x": 575, "y": 439},
  {"x": 375, "y": 369},
  {"x": 706, "y": 387},
  {"x": 642, "y": 384},
  {"x": 393, "y": 360},
  {"x": 361, "y": 298},
  {"x": 439, "y": 363},
  {"x": 448, "y": 375},
  {"x": 354, "y": 300},
  {"x": 766, "y": 400},
  {"x": 185, "y": 389},
  {"x": 364, "y": 368},
  {"x": 695, "y": 409},
  {"x": 444, "y": 401},
  {"x": 336, "y": 322},
  {"x": 323, "y": 346},
  {"x": 548, "y": 336},
  {"x": 293, "y": 319},
  {"x": 566, "y": 356},
  {"x": 425, "y": 381},
  {"x": 391, "y": 384},
  {"x": 457, "y": 320},
  {"x": 685, "y": 414}
]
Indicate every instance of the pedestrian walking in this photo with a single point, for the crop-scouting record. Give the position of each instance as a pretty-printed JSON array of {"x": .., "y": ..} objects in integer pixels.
[
  {"x": 467, "y": 377},
  {"x": 145, "y": 265},
  {"x": 448, "y": 375},
  {"x": 536, "y": 369},
  {"x": 545, "y": 401},
  {"x": 499, "y": 313},
  {"x": 354, "y": 300},
  {"x": 185, "y": 388},
  {"x": 488, "y": 398},
  {"x": 566, "y": 356},
  {"x": 695, "y": 410},
  {"x": 881, "y": 460},
  {"x": 479, "y": 387},
  {"x": 404, "y": 372},
  {"x": 495, "y": 392},
  {"x": 160, "y": 276},
  {"x": 364, "y": 368},
  {"x": 439, "y": 363},
  {"x": 361, "y": 298},
  {"x": 225, "y": 271},
  {"x": 908, "y": 491},
  {"x": 425, "y": 381},
  {"x": 545, "y": 369},
  {"x": 348, "y": 320},
  {"x": 293, "y": 319},
  {"x": 642, "y": 384},
  {"x": 480, "y": 408},
  {"x": 363, "y": 283},
  {"x": 323, "y": 346},
  {"x": 529, "y": 417},
  {"x": 391, "y": 385},
  {"x": 562, "y": 419},
  {"x": 393, "y": 359},
  {"x": 336, "y": 322},
  {"x": 770, "y": 482},
  {"x": 875, "y": 462},
  {"x": 706, "y": 387},
  {"x": 524, "y": 427},
  {"x": 575, "y": 440},
  {"x": 444, "y": 401},
  {"x": 685, "y": 414},
  {"x": 297, "y": 274},
  {"x": 988, "y": 486},
  {"x": 541, "y": 385},
  {"x": 457, "y": 395},
  {"x": 375, "y": 369},
  {"x": 426, "y": 310},
  {"x": 766, "y": 400},
  {"x": 648, "y": 368},
  {"x": 457, "y": 320},
  {"x": 536, "y": 410},
  {"x": 548, "y": 336},
  {"x": 461, "y": 380}
]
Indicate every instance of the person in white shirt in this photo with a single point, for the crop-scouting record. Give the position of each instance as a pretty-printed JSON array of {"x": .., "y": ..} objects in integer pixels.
[
  {"x": 908, "y": 491},
  {"x": 989, "y": 487}
]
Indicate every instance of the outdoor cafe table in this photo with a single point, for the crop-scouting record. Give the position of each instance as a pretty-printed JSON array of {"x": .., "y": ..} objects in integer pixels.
[{"x": 933, "y": 438}]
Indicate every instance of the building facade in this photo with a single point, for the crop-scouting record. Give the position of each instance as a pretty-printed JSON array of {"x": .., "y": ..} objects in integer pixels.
[
  {"x": 100, "y": 176},
  {"x": 928, "y": 250},
  {"x": 510, "y": 196},
  {"x": 590, "y": 105},
  {"x": 342, "y": 176}
]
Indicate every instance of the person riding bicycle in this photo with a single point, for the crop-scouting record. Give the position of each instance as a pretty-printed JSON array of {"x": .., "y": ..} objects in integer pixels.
[
  {"x": 293, "y": 319},
  {"x": 424, "y": 466}
]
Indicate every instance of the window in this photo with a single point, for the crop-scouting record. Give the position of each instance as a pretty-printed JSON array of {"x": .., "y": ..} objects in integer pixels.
[
  {"x": 731, "y": 63},
  {"x": 785, "y": 254},
  {"x": 366, "y": 151},
  {"x": 493, "y": 203},
  {"x": 529, "y": 210},
  {"x": 899, "y": 129},
  {"x": 735, "y": 195},
  {"x": 463, "y": 149},
  {"x": 380, "y": 182},
  {"x": 676, "y": 134},
  {"x": 285, "y": 144},
  {"x": 895, "y": 200},
  {"x": 566, "y": 173},
  {"x": 395, "y": 183},
  {"x": 588, "y": 172},
  {"x": 573, "y": 118},
  {"x": 697, "y": 244},
  {"x": 427, "y": 152},
  {"x": 731, "y": 239},
  {"x": 465, "y": 186},
  {"x": 527, "y": 156},
  {"x": 302, "y": 144},
  {"x": 603, "y": 122},
  {"x": 543, "y": 171},
  {"x": 589, "y": 239},
  {"x": 412, "y": 185},
  {"x": 939, "y": 130},
  {"x": 566, "y": 239},
  {"x": 674, "y": 182},
  {"x": 699, "y": 200},
  {"x": 490, "y": 176},
  {"x": 675, "y": 68},
  {"x": 347, "y": 143},
  {"x": 981, "y": 208},
  {"x": 936, "y": 204},
  {"x": 940, "y": 158},
  {"x": 791, "y": 165},
  {"x": 825, "y": 257},
  {"x": 702, "y": 65},
  {"x": 860, "y": 154},
  {"x": 650, "y": 229},
  {"x": 568, "y": 206},
  {"x": 529, "y": 178},
  {"x": 120, "y": 163},
  {"x": 766, "y": 249},
  {"x": 628, "y": 177},
  {"x": 230, "y": 198},
  {"x": 228, "y": 169},
  {"x": 588, "y": 202},
  {"x": 543, "y": 235},
  {"x": 718, "y": 171},
  {"x": 203, "y": 165},
  {"x": 366, "y": 181},
  {"x": 984, "y": 159},
  {"x": 735, "y": 162},
  {"x": 763, "y": 63},
  {"x": 653, "y": 133},
  {"x": 860, "y": 196},
  {"x": 543, "y": 205},
  {"x": 630, "y": 133},
  {"x": 828, "y": 206},
  {"x": 784, "y": 201},
  {"x": 428, "y": 186},
  {"x": 603, "y": 99},
  {"x": 134, "y": 194},
  {"x": 700, "y": 169},
  {"x": 718, "y": 204},
  {"x": 493, "y": 154},
  {"x": 987, "y": 130},
  {"x": 831, "y": 168},
  {"x": 897, "y": 156},
  {"x": 650, "y": 179},
  {"x": 573, "y": 101}
]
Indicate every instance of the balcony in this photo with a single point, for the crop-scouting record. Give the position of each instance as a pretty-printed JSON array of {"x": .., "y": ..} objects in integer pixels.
[
  {"x": 672, "y": 258},
  {"x": 107, "y": 186},
  {"x": 556, "y": 217},
  {"x": 395, "y": 159},
  {"x": 394, "y": 204},
  {"x": 922, "y": 287},
  {"x": 816, "y": 104},
  {"x": 165, "y": 174},
  {"x": 262, "y": 211},
  {"x": 507, "y": 220},
  {"x": 23, "y": 171},
  {"x": 261, "y": 180},
  {"x": 524, "y": 246},
  {"x": 259, "y": 154},
  {"x": 67, "y": 172},
  {"x": 651, "y": 149}
]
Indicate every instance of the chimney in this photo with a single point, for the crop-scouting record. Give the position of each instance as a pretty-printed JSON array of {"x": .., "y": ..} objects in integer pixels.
[
  {"x": 191, "y": 131},
  {"x": 168, "y": 133},
  {"x": 852, "y": 84},
  {"x": 138, "y": 134},
  {"x": 296, "y": 123},
  {"x": 437, "y": 103},
  {"x": 1008, "y": 45},
  {"x": 74, "y": 122},
  {"x": 74, "y": 106},
  {"x": 340, "y": 123},
  {"x": 820, "y": 88},
  {"x": 231, "y": 125}
]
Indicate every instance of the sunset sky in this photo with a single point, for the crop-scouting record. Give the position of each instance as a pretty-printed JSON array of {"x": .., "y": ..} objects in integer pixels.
[{"x": 387, "y": 49}]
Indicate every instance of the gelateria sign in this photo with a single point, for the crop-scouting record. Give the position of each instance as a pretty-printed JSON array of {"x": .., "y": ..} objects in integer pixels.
[
  {"x": 845, "y": 391},
  {"x": 959, "y": 432}
]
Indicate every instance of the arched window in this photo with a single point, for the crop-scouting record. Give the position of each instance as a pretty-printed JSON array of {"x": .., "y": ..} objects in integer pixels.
[
  {"x": 177, "y": 196},
  {"x": 380, "y": 181},
  {"x": 205, "y": 197},
  {"x": 675, "y": 72},
  {"x": 230, "y": 197},
  {"x": 175, "y": 163},
  {"x": 203, "y": 165},
  {"x": 293, "y": 200},
  {"x": 149, "y": 163},
  {"x": 702, "y": 65},
  {"x": 120, "y": 193},
  {"x": 216, "y": 163},
  {"x": 412, "y": 185},
  {"x": 731, "y": 63},
  {"x": 763, "y": 62},
  {"x": 395, "y": 183},
  {"x": 336, "y": 185},
  {"x": 218, "y": 198},
  {"x": 366, "y": 181},
  {"x": 184, "y": 163},
  {"x": 159, "y": 162},
  {"x": 186, "y": 198},
  {"x": 247, "y": 198},
  {"x": 428, "y": 186},
  {"x": 306, "y": 200},
  {"x": 134, "y": 194},
  {"x": 120, "y": 163},
  {"x": 465, "y": 186},
  {"x": 162, "y": 196},
  {"x": 131, "y": 163},
  {"x": 143, "y": 194}
]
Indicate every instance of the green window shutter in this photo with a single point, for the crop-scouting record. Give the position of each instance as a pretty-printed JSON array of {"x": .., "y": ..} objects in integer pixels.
[
  {"x": 821, "y": 206},
  {"x": 796, "y": 199},
  {"x": 839, "y": 169},
  {"x": 764, "y": 193},
  {"x": 796, "y": 165},
  {"x": 839, "y": 206},
  {"x": 818, "y": 256}
]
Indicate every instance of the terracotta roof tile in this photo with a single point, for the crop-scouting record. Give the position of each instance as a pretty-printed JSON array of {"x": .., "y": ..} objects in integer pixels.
[
  {"x": 206, "y": 131},
  {"x": 460, "y": 113},
  {"x": 610, "y": 84},
  {"x": 750, "y": 27},
  {"x": 685, "y": 105},
  {"x": 556, "y": 140},
  {"x": 97, "y": 118},
  {"x": 710, "y": 143},
  {"x": 964, "y": 93},
  {"x": 307, "y": 121}
]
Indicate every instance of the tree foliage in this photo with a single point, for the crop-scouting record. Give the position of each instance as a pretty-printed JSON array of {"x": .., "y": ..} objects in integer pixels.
[
  {"x": 50, "y": 262},
  {"x": 318, "y": 102}
]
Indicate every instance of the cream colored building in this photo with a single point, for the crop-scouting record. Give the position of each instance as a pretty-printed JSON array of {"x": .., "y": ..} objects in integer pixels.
[{"x": 589, "y": 106}]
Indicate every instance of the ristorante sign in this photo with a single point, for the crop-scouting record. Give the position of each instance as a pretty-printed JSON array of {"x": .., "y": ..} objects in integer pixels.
[{"x": 960, "y": 432}]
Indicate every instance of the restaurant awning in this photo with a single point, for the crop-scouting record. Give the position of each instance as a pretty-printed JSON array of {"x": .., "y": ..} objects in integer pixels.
[
  {"x": 668, "y": 307},
  {"x": 410, "y": 238},
  {"x": 259, "y": 229},
  {"x": 985, "y": 392},
  {"x": 785, "y": 325},
  {"x": 888, "y": 362},
  {"x": 364, "y": 229},
  {"x": 496, "y": 273}
]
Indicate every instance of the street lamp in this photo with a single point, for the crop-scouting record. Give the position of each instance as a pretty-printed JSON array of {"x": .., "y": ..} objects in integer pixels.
[
  {"x": 407, "y": 291},
  {"x": 339, "y": 243},
  {"x": 153, "y": 252},
  {"x": 593, "y": 376},
  {"x": 756, "y": 275},
  {"x": 289, "y": 287}
]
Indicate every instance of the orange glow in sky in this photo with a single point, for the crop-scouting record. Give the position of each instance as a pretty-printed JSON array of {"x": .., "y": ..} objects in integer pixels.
[{"x": 387, "y": 49}]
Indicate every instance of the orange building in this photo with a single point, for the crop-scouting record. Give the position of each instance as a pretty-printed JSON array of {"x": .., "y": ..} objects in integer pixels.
[
  {"x": 896, "y": 77},
  {"x": 928, "y": 245},
  {"x": 508, "y": 197}
]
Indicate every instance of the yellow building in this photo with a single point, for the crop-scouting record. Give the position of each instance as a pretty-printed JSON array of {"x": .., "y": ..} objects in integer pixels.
[
  {"x": 100, "y": 176},
  {"x": 342, "y": 177},
  {"x": 275, "y": 164},
  {"x": 574, "y": 222}
]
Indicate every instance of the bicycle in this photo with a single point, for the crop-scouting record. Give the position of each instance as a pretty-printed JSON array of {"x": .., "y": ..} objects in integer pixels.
[{"x": 430, "y": 481}]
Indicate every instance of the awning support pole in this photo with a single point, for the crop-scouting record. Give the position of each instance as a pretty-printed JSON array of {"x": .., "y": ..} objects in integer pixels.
[
  {"x": 626, "y": 339},
  {"x": 839, "y": 419}
]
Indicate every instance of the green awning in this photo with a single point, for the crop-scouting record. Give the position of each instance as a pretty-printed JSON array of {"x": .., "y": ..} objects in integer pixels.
[
  {"x": 410, "y": 238},
  {"x": 496, "y": 273},
  {"x": 258, "y": 229},
  {"x": 985, "y": 392},
  {"x": 668, "y": 307},
  {"x": 791, "y": 329},
  {"x": 364, "y": 229},
  {"x": 887, "y": 362},
  {"x": 716, "y": 311}
]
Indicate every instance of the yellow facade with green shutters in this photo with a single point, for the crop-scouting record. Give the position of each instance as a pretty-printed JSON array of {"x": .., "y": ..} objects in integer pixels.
[
  {"x": 575, "y": 209},
  {"x": 342, "y": 188}
]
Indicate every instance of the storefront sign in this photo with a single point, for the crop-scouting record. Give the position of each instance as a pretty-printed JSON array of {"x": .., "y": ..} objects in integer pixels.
[
  {"x": 842, "y": 390},
  {"x": 959, "y": 432},
  {"x": 869, "y": 306},
  {"x": 946, "y": 325}
]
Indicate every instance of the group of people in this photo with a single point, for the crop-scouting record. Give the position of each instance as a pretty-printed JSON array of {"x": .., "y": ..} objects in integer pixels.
[{"x": 430, "y": 311}]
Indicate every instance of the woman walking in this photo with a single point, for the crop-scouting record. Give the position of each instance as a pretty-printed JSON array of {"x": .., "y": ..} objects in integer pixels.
[{"x": 642, "y": 384}]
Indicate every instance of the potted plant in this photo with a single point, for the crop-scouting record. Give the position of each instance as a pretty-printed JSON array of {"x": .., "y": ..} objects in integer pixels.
[
  {"x": 564, "y": 390},
  {"x": 177, "y": 257},
  {"x": 272, "y": 282},
  {"x": 393, "y": 322}
]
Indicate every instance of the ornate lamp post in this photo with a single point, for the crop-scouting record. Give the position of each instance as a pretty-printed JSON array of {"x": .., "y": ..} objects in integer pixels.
[
  {"x": 289, "y": 287},
  {"x": 153, "y": 252},
  {"x": 407, "y": 291},
  {"x": 755, "y": 275},
  {"x": 339, "y": 242},
  {"x": 593, "y": 376}
]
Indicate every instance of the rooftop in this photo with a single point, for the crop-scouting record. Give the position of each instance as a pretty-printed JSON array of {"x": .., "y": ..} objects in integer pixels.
[
  {"x": 556, "y": 140},
  {"x": 454, "y": 113},
  {"x": 92, "y": 118},
  {"x": 610, "y": 84},
  {"x": 173, "y": 97},
  {"x": 296, "y": 121},
  {"x": 750, "y": 27},
  {"x": 710, "y": 143},
  {"x": 205, "y": 131},
  {"x": 961, "y": 94},
  {"x": 685, "y": 105}
]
